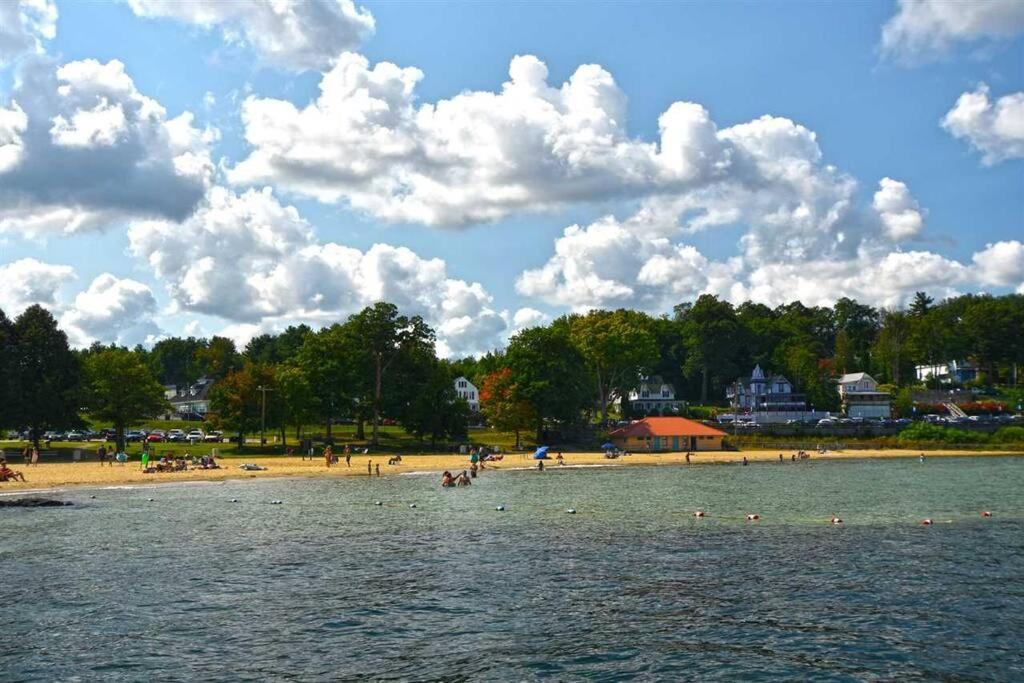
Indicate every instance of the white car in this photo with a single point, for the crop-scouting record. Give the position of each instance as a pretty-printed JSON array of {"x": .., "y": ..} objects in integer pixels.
[
  {"x": 214, "y": 437},
  {"x": 195, "y": 435}
]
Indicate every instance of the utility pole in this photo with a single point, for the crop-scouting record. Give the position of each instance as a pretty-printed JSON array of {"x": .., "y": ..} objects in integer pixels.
[{"x": 263, "y": 414}]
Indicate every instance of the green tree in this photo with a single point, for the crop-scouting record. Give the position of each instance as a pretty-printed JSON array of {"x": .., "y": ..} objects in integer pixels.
[
  {"x": 272, "y": 349},
  {"x": 46, "y": 375},
  {"x": 843, "y": 357},
  {"x": 7, "y": 389},
  {"x": 218, "y": 357},
  {"x": 121, "y": 388},
  {"x": 433, "y": 408},
  {"x": 713, "y": 339},
  {"x": 173, "y": 360},
  {"x": 861, "y": 325},
  {"x": 381, "y": 338},
  {"x": 327, "y": 359},
  {"x": 549, "y": 373},
  {"x": 618, "y": 347},
  {"x": 892, "y": 345},
  {"x": 922, "y": 304},
  {"x": 237, "y": 401},
  {"x": 300, "y": 405}
]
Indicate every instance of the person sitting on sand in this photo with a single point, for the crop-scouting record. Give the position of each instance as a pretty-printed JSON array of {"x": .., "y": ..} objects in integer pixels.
[{"x": 7, "y": 474}]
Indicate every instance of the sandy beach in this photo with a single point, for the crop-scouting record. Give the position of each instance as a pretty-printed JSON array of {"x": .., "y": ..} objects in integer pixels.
[{"x": 62, "y": 475}]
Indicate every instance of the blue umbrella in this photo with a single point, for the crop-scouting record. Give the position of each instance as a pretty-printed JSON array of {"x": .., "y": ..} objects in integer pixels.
[
  {"x": 541, "y": 453},
  {"x": 609, "y": 446}
]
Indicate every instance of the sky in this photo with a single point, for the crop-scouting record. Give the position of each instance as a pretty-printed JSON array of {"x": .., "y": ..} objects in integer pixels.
[{"x": 188, "y": 167}]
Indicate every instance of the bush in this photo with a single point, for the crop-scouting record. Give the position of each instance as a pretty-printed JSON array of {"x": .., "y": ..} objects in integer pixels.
[
  {"x": 924, "y": 431},
  {"x": 1009, "y": 435}
]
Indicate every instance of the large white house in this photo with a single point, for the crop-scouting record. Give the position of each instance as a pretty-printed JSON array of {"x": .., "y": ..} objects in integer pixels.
[
  {"x": 654, "y": 396},
  {"x": 861, "y": 397},
  {"x": 189, "y": 401},
  {"x": 467, "y": 390}
]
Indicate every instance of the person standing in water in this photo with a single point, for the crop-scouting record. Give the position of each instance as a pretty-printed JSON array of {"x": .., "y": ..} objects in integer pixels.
[
  {"x": 540, "y": 465},
  {"x": 348, "y": 455},
  {"x": 378, "y": 469}
]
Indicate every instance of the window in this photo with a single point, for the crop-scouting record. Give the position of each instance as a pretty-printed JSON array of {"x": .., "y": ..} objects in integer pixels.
[
  {"x": 665, "y": 393},
  {"x": 644, "y": 394}
]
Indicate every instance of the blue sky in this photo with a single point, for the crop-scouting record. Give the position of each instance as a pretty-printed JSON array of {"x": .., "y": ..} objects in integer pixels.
[{"x": 874, "y": 107}]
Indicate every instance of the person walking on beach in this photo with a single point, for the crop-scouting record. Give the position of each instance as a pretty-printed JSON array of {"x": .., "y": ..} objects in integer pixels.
[
  {"x": 27, "y": 455},
  {"x": 327, "y": 456},
  {"x": 378, "y": 469},
  {"x": 348, "y": 455},
  {"x": 369, "y": 468},
  {"x": 687, "y": 457},
  {"x": 145, "y": 460},
  {"x": 35, "y": 456},
  {"x": 101, "y": 453}
]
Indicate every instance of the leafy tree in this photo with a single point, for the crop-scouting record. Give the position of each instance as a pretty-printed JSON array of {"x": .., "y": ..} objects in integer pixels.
[
  {"x": 505, "y": 409},
  {"x": 617, "y": 347},
  {"x": 238, "y": 402},
  {"x": 712, "y": 336},
  {"x": 892, "y": 344},
  {"x": 549, "y": 373},
  {"x": 327, "y": 360},
  {"x": 271, "y": 349},
  {"x": 861, "y": 325},
  {"x": 922, "y": 304},
  {"x": 173, "y": 360},
  {"x": 844, "y": 352},
  {"x": 46, "y": 375},
  {"x": 218, "y": 357},
  {"x": 121, "y": 388},
  {"x": 7, "y": 388},
  {"x": 381, "y": 336},
  {"x": 300, "y": 405},
  {"x": 433, "y": 407}
]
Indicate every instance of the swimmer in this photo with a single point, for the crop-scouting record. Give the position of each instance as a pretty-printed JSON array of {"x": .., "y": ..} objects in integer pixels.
[
  {"x": 836, "y": 520},
  {"x": 753, "y": 518},
  {"x": 986, "y": 513},
  {"x": 698, "y": 513},
  {"x": 745, "y": 460},
  {"x": 927, "y": 522}
]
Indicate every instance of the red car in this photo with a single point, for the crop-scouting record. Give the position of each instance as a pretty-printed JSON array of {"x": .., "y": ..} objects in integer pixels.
[{"x": 155, "y": 437}]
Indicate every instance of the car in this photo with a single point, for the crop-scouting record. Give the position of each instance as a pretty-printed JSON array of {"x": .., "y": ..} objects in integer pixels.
[
  {"x": 195, "y": 435},
  {"x": 135, "y": 435},
  {"x": 827, "y": 422},
  {"x": 156, "y": 436},
  {"x": 214, "y": 437},
  {"x": 76, "y": 436},
  {"x": 175, "y": 435}
]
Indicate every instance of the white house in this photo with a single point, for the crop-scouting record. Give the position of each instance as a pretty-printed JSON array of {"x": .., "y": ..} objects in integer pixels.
[
  {"x": 189, "y": 401},
  {"x": 861, "y": 397},
  {"x": 467, "y": 390},
  {"x": 654, "y": 396},
  {"x": 953, "y": 372}
]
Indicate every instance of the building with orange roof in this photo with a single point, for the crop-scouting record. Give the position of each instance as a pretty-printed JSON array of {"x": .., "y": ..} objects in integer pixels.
[{"x": 667, "y": 434}]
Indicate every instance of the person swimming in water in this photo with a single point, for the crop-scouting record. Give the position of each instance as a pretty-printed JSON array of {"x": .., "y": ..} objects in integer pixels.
[{"x": 446, "y": 479}]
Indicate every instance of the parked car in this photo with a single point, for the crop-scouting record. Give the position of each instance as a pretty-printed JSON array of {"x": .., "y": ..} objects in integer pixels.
[
  {"x": 156, "y": 436},
  {"x": 175, "y": 435},
  {"x": 195, "y": 435},
  {"x": 827, "y": 422},
  {"x": 75, "y": 436},
  {"x": 214, "y": 437},
  {"x": 135, "y": 435}
]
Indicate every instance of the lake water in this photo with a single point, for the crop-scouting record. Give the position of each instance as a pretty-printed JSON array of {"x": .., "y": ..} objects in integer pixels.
[{"x": 329, "y": 586}]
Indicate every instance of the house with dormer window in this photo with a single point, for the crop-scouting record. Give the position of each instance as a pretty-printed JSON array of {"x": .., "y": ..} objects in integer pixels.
[
  {"x": 654, "y": 396},
  {"x": 467, "y": 390}
]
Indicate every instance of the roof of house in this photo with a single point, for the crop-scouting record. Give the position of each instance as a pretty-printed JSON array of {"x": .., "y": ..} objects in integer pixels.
[
  {"x": 855, "y": 377},
  {"x": 666, "y": 426},
  {"x": 199, "y": 391}
]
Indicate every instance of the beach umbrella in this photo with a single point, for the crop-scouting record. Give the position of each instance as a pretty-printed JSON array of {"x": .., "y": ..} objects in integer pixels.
[
  {"x": 608, "y": 446},
  {"x": 541, "y": 453}
]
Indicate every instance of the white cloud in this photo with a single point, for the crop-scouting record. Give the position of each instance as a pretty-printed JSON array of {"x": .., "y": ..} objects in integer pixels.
[
  {"x": 111, "y": 310},
  {"x": 296, "y": 34},
  {"x": 926, "y": 29},
  {"x": 1000, "y": 264},
  {"x": 28, "y": 281},
  {"x": 81, "y": 147},
  {"x": 994, "y": 129},
  {"x": 900, "y": 213},
  {"x": 478, "y": 156},
  {"x": 255, "y": 263},
  {"x": 24, "y": 25}
]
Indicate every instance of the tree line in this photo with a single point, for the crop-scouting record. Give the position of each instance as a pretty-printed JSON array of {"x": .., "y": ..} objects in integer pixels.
[{"x": 381, "y": 365}]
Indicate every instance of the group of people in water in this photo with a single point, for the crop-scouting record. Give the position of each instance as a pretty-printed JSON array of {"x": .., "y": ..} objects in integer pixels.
[{"x": 462, "y": 479}]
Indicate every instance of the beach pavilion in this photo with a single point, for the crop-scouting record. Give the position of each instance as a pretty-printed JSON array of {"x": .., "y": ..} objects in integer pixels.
[{"x": 667, "y": 434}]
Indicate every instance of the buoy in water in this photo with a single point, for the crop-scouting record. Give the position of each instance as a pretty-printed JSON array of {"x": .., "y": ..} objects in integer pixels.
[
  {"x": 571, "y": 511},
  {"x": 150, "y": 500},
  {"x": 377, "y": 502},
  {"x": 753, "y": 518},
  {"x": 275, "y": 502},
  {"x": 986, "y": 513},
  {"x": 500, "y": 508},
  {"x": 412, "y": 505},
  {"x": 698, "y": 513},
  {"x": 927, "y": 522},
  {"x": 92, "y": 497},
  {"x": 233, "y": 500}
]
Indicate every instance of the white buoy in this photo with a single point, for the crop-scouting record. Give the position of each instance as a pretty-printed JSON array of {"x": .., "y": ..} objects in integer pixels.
[
  {"x": 150, "y": 499},
  {"x": 412, "y": 505},
  {"x": 753, "y": 518},
  {"x": 571, "y": 511},
  {"x": 234, "y": 500},
  {"x": 276, "y": 502},
  {"x": 377, "y": 502},
  {"x": 836, "y": 520},
  {"x": 986, "y": 513},
  {"x": 698, "y": 513},
  {"x": 500, "y": 508}
]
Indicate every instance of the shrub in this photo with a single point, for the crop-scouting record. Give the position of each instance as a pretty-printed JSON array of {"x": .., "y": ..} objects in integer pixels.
[{"x": 924, "y": 431}]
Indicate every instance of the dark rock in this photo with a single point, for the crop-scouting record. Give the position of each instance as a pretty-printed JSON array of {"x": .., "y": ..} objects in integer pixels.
[{"x": 33, "y": 503}]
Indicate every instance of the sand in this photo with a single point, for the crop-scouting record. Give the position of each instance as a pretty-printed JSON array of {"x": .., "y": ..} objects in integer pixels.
[{"x": 46, "y": 476}]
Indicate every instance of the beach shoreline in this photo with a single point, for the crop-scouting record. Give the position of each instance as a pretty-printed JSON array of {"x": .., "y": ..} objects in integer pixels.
[{"x": 49, "y": 477}]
